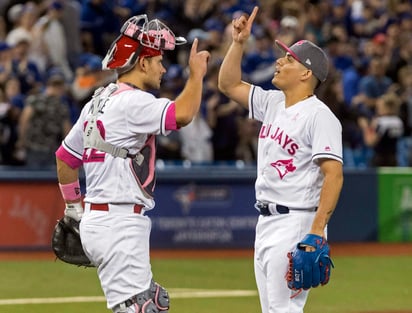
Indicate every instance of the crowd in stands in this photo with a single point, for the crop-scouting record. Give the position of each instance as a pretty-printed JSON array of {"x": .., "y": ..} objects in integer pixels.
[{"x": 51, "y": 53}]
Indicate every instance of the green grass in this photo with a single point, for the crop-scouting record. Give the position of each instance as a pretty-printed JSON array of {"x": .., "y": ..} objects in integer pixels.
[{"x": 357, "y": 284}]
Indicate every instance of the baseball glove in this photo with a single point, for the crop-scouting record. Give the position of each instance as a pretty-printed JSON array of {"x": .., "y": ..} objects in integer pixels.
[
  {"x": 309, "y": 269},
  {"x": 66, "y": 242}
]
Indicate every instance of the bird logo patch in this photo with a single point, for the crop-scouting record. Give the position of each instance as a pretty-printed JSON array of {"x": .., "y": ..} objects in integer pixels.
[{"x": 284, "y": 167}]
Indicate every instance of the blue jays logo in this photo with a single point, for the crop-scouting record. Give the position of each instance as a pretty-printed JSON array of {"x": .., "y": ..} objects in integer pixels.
[{"x": 284, "y": 167}]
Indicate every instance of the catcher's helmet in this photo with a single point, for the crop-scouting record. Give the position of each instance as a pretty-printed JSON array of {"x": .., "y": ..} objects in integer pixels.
[{"x": 139, "y": 37}]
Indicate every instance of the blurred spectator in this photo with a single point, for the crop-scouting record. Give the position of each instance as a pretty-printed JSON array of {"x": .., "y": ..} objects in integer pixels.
[
  {"x": 89, "y": 76},
  {"x": 404, "y": 92},
  {"x": 173, "y": 79},
  {"x": 384, "y": 131},
  {"x": 168, "y": 147},
  {"x": 246, "y": 149},
  {"x": 51, "y": 33},
  {"x": 258, "y": 63},
  {"x": 352, "y": 66},
  {"x": 3, "y": 29},
  {"x": 371, "y": 87},
  {"x": 405, "y": 19},
  {"x": 222, "y": 117},
  {"x": 8, "y": 131},
  {"x": 339, "y": 14},
  {"x": 70, "y": 20},
  {"x": 124, "y": 9},
  {"x": 401, "y": 56},
  {"x": 22, "y": 18},
  {"x": 196, "y": 139},
  {"x": 45, "y": 120},
  {"x": 289, "y": 31},
  {"x": 6, "y": 64},
  {"x": 98, "y": 26},
  {"x": 314, "y": 25},
  {"x": 214, "y": 28},
  {"x": 355, "y": 153},
  {"x": 13, "y": 94},
  {"x": 192, "y": 14},
  {"x": 23, "y": 67}
]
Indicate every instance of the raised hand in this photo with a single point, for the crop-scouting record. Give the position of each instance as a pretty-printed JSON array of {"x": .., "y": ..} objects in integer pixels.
[
  {"x": 198, "y": 60},
  {"x": 242, "y": 26}
]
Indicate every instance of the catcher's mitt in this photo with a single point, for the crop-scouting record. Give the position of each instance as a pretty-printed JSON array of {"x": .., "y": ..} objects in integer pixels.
[
  {"x": 309, "y": 269},
  {"x": 66, "y": 242}
]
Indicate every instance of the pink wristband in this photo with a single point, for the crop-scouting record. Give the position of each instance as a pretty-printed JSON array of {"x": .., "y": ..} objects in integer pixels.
[{"x": 71, "y": 191}]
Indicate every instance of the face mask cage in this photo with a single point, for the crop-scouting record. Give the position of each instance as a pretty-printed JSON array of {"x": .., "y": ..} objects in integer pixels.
[
  {"x": 152, "y": 34},
  {"x": 133, "y": 26},
  {"x": 157, "y": 35}
]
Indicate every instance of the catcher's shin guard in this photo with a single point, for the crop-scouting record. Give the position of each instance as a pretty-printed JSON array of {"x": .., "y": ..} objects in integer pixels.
[{"x": 153, "y": 300}]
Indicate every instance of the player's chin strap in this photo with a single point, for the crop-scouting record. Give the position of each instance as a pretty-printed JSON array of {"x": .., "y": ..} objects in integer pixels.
[{"x": 92, "y": 137}]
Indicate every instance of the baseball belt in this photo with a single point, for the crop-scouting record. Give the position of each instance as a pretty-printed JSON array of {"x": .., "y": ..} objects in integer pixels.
[{"x": 267, "y": 209}]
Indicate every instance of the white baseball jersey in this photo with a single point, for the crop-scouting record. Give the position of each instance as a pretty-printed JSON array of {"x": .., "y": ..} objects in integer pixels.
[
  {"x": 125, "y": 119},
  {"x": 290, "y": 141}
]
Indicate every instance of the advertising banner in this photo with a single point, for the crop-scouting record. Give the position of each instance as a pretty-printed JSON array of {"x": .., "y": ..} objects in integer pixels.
[
  {"x": 395, "y": 204},
  {"x": 28, "y": 213},
  {"x": 201, "y": 215}
]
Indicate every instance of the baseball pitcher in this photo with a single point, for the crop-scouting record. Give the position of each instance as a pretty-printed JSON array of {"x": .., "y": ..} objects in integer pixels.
[{"x": 299, "y": 169}]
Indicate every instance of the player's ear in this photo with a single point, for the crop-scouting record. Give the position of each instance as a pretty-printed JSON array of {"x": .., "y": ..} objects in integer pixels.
[
  {"x": 142, "y": 64},
  {"x": 307, "y": 73}
]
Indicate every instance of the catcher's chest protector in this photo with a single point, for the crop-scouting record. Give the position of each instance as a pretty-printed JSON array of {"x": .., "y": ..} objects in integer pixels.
[{"x": 143, "y": 166}]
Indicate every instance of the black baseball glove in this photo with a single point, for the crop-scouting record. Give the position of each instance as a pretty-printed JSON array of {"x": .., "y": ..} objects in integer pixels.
[{"x": 66, "y": 242}]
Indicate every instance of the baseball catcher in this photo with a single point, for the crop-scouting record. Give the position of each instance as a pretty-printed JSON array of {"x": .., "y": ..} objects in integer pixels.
[
  {"x": 308, "y": 269},
  {"x": 66, "y": 243}
]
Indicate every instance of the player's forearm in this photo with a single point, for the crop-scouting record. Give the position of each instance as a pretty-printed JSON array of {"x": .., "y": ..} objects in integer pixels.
[
  {"x": 329, "y": 197},
  {"x": 188, "y": 102},
  {"x": 66, "y": 174},
  {"x": 230, "y": 73}
]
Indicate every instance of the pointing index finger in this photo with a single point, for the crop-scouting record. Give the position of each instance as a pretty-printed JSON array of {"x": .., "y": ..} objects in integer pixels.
[
  {"x": 193, "y": 50},
  {"x": 252, "y": 16}
]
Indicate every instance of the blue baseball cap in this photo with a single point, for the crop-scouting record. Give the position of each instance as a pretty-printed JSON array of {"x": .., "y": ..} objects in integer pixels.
[
  {"x": 57, "y": 5},
  {"x": 55, "y": 75}
]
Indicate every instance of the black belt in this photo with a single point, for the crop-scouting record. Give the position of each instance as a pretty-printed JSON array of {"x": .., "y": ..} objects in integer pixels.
[{"x": 263, "y": 208}]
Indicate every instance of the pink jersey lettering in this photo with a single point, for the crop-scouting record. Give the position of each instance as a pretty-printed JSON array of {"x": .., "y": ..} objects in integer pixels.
[{"x": 280, "y": 137}]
